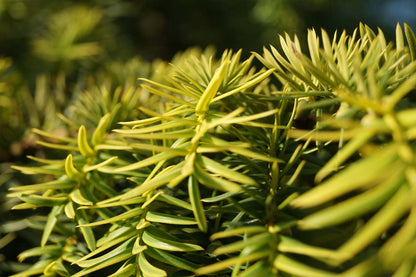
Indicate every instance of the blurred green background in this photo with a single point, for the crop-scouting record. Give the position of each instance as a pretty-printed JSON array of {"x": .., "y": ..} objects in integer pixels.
[
  {"x": 53, "y": 52},
  {"x": 37, "y": 34}
]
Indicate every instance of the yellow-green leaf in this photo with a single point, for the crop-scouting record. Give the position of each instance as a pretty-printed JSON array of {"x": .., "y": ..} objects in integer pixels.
[
  {"x": 149, "y": 270},
  {"x": 288, "y": 265},
  {"x": 369, "y": 170},
  {"x": 261, "y": 268},
  {"x": 212, "y": 89},
  {"x": 70, "y": 169},
  {"x": 99, "y": 134},
  {"x": 121, "y": 253},
  {"x": 122, "y": 233},
  {"x": 83, "y": 145},
  {"x": 146, "y": 162},
  {"x": 53, "y": 136},
  {"x": 43, "y": 201},
  {"x": 137, "y": 247},
  {"x": 86, "y": 231},
  {"x": 52, "y": 250},
  {"x": 197, "y": 207},
  {"x": 78, "y": 198},
  {"x": 168, "y": 258},
  {"x": 392, "y": 211},
  {"x": 157, "y": 181},
  {"x": 290, "y": 245},
  {"x": 169, "y": 219},
  {"x": 411, "y": 40},
  {"x": 63, "y": 183},
  {"x": 97, "y": 166},
  {"x": 125, "y": 271},
  {"x": 215, "y": 182},
  {"x": 48, "y": 170},
  {"x": 51, "y": 222},
  {"x": 174, "y": 201},
  {"x": 123, "y": 216},
  {"x": 158, "y": 240},
  {"x": 69, "y": 210},
  {"x": 354, "y": 207},
  {"x": 245, "y": 85},
  {"x": 224, "y": 171}
]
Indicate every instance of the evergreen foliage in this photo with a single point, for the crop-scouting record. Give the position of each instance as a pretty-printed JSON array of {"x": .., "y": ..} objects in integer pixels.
[{"x": 303, "y": 167}]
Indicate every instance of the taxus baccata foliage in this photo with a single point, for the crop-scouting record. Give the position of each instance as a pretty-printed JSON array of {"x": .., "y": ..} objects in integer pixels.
[{"x": 305, "y": 167}]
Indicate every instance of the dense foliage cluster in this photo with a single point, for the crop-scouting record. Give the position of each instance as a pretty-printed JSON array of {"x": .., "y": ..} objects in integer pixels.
[{"x": 304, "y": 166}]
